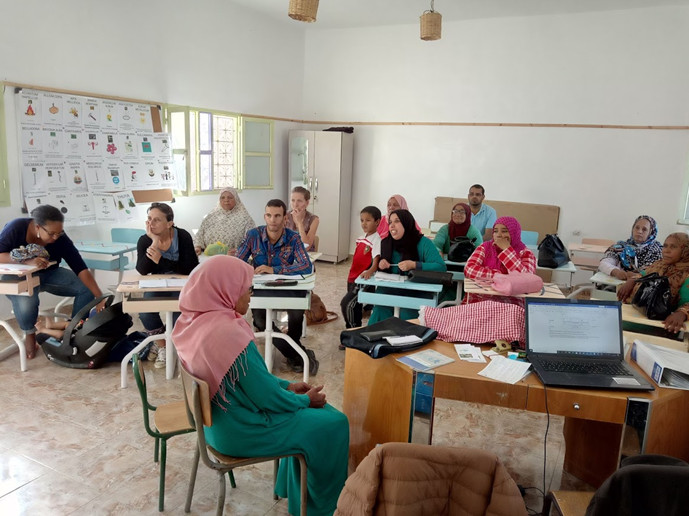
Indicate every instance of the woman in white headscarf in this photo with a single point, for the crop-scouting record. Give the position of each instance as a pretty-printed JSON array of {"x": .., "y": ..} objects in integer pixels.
[{"x": 227, "y": 223}]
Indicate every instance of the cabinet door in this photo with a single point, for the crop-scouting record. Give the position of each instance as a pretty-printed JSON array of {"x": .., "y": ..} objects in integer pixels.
[
  {"x": 325, "y": 193},
  {"x": 301, "y": 159}
]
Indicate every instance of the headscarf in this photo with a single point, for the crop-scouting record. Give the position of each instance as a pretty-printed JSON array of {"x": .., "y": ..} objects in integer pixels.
[
  {"x": 456, "y": 230},
  {"x": 676, "y": 273},
  {"x": 633, "y": 256},
  {"x": 210, "y": 335},
  {"x": 492, "y": 251},
  {"x": 383, "y": 227},
  {"x": 407, "y": 245}
]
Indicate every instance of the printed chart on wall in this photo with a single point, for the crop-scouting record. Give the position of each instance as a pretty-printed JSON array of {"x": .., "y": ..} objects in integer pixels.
[{"x": 85, "y": 155}]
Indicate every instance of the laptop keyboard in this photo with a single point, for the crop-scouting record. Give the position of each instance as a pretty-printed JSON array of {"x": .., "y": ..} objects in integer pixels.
[{"x": 566, "y": 366}]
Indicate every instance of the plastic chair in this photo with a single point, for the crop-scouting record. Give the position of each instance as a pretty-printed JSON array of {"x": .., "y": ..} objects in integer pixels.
[
  {"x": 197, "y": 397},
  {"x": 127, "y": 235},
  {"x": 168, "y": 420},
  {"x": 530, "y": 237}
]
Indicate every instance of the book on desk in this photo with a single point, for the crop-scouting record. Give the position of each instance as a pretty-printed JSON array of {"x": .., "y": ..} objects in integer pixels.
[{"x": 426, "y": 360}]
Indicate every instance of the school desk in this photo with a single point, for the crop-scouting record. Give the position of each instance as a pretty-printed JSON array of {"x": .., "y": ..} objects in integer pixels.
[{"x": 419, "y": 294}]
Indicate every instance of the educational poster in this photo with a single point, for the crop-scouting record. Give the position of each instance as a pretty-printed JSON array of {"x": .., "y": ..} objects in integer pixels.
[
  {"x": 52, "y": 143},
  {"x": 73, "y": 143},
  {"x": 73, "y": 116},
  {"x": 52, "y": 109},
  {"x": 109, "y": 113},
  {"x": 31, "y": 140},
  {"x": 91, "y": 115},
  {"x": 29, "y": 107},
  {"x": 144, "y": 124},
  {"x": 127, "y": 117},
  {"x": 75, "y": 172},
  {"x": 73, "y": 147}
]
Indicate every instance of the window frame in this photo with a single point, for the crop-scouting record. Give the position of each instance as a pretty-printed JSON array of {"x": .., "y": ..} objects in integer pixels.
[{"x": 5, "y": 200}]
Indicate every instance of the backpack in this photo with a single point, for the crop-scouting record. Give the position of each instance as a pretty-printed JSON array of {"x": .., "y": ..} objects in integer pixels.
[{"x": 461, "y": 248}]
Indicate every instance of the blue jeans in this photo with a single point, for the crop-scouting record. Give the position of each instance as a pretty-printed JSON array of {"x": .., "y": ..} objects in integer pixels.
[
  {"x": 152, "y": 320},
  {"x": 58, "y": 281}
]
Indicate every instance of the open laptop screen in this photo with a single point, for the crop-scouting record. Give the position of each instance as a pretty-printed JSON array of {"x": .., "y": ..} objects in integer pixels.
[{"x": 573, "y": 327}]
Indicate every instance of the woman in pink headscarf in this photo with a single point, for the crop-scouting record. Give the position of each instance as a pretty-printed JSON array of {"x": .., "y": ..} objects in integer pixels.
[
  {"x": 396, "y": 202},
  {"x": 503, "y": 254},
  {"x": 253, "y": 411}
]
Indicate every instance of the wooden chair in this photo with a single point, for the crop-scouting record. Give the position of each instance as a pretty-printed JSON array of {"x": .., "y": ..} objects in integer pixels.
[
  {"x": 197, "y": 397},
  {"x": 168, "y": 420},
  {"x": 567, "y": 503}
]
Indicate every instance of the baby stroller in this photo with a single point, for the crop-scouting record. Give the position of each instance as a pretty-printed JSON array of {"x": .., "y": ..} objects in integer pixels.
[{"x": 87, "y": 342}]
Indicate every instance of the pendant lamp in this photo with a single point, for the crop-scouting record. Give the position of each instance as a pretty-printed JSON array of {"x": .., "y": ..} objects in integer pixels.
[
  {"x": 431, "y": 24},
  {"x": 303, "y": 10}
]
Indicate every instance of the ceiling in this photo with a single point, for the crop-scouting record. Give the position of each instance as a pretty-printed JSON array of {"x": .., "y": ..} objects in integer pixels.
[{"x": 361, "y": 13}]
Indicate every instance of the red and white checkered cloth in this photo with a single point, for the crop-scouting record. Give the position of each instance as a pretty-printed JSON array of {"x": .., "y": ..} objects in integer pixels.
[{"x": 477, "y": 323}]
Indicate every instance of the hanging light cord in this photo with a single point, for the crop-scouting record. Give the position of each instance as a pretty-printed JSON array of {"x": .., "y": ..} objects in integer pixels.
[{"x": 432, "y": 6}]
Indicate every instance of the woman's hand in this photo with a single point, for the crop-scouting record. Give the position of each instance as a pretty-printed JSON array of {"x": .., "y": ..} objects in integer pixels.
[
  {"x": 101, "y": 306},
  {"x": 407, "y": 265},
  {"x": 675, "y": 321},
  {"x": 153, "y": 254},
  {"x": 624, "y": 290},
  {"x": 316, "y": 396},
  {"x": 502, "y": 242},
  {"x": 298, "y": 218},
  {"x": 39, "y": 262},
  {"x": 198, "y": 250},
  {"x": 299, "y": 387},
  {"x": 384, "y": 264}
]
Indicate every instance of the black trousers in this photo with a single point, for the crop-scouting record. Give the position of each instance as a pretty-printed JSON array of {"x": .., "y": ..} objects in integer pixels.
[{"x": 295, "y": 320}]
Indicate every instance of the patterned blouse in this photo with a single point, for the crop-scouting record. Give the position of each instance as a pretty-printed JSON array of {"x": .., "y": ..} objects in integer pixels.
[{"x": 226, "y": 226}]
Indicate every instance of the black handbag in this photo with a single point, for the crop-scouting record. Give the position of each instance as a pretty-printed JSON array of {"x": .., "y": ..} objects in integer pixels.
[
  {"x": 461, "y": 249},
  {"x": 653, "y": 296},
  {"x": 371, "y": 339},
  {"x": 552, "y": 253}
]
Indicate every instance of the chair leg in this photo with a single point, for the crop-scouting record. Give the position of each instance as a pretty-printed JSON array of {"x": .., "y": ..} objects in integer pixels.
[
  {"x": 192, "y": 479},
  {"x": 155, "y": 449},
  {"x": 232, "y": 482},
  {"x": 161, "y": 489},
  {"x": 221, "y": 494},
  {"x": 276, "y": 466}
]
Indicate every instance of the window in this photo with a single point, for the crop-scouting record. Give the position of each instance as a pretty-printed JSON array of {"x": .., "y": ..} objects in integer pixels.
[{"x": 207, "y": 144}]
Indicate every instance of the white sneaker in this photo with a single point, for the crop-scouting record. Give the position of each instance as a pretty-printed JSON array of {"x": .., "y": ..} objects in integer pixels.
[
  {"x": 152, "y": 352},
  {"x": 160, "y": 359}
]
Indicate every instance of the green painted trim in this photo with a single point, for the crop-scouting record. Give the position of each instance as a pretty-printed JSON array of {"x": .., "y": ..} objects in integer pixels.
[
  {"x": 245, "y": 154},
  {"x": 4, "y": 171}
]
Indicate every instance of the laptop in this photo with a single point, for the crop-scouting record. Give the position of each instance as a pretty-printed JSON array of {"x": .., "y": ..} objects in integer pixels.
[{"x": 578, "y": 343}]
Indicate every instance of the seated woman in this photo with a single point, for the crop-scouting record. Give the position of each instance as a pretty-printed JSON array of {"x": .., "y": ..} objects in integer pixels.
[
  {"x": 253, "y": 411},
  {"x": 675, "y": 265},
  {"x": 627, "y": 258},
  {"x": 396, "y": 202},
  {"x": 164, "y": 249},
  {"x": 405, "y": 249},
  {"x": 227, "y": 223},
  {"x": 44, "y": 232},
  {"x": 460, "y": 225},
  {"x": 300, "y": 219},
  {"x": 503, "y": 254}
]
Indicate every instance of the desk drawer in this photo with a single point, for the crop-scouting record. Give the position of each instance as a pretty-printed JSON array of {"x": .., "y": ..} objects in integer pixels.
[{"x": 606, "y": 406}]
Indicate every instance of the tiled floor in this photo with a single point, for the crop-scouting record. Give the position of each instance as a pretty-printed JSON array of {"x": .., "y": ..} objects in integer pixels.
[{"x": 73, "y": 442}]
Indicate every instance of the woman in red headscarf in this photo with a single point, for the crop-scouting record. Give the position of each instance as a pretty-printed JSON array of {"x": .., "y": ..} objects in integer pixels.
[
  {"x": 459, "y": 226},
  {"x": 253, "y": 411},
  {"x": 396, "y": 202},
  {"x": 503, "y": 254}
]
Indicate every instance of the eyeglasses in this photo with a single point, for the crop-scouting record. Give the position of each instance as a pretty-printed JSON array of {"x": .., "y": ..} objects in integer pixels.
[
  {"x": 52, "y": 234},
  {"x": 459, "y": 212}
]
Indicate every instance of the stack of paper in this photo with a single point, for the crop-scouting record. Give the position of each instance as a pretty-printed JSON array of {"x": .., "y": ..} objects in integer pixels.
[
  {"x": 470, "y": 353},
  {"x": 263, "y": 278},
  {"x": 505, "y": 370},
  {"x": 386, "y": 276},
  {"x": 162, "y": 283}
]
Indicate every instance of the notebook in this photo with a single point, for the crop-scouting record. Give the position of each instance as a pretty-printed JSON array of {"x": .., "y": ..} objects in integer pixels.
[{"x": 579, "y": 343}]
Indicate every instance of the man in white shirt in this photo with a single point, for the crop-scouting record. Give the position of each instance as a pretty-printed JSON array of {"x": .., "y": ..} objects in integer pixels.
[{"x": 483, "y": 217}]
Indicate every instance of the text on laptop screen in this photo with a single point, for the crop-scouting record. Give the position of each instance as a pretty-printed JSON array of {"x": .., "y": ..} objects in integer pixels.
[{"x": 577, "y": 328}]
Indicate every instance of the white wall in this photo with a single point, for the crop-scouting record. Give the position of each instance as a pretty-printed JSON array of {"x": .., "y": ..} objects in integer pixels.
[
  {"x": 206, "y": 53},
  {"x": 626, "y": 67}
]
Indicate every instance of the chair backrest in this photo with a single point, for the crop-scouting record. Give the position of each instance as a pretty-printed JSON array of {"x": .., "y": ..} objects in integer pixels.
[
  {"x": 129, "y": 235},
  {"x": 597, "y": 241},
  {"x": 140, "y": 378},
  {"x": 530, "y": 237},
  {"x": 195, "y": 388}
]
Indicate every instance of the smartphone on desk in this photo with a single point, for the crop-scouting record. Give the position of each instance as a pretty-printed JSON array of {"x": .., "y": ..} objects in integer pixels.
[{"x": 281, "y": 283}]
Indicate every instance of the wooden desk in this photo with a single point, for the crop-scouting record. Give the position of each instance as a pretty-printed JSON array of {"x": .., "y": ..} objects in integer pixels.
[
  {"x": 132, "y": 302},
  {"x": 18, "y": 280},
  {"x": 398, "y": 301},
  {"x": 379, "y": 395},
  {"x": 270, "y": 303}
]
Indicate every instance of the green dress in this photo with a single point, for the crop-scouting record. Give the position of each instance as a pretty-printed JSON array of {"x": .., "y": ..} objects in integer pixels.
[
  {"x": 442, "y": 238},
  {"x": 261, "y": 417},
  {"x": 429, "y": 260}
]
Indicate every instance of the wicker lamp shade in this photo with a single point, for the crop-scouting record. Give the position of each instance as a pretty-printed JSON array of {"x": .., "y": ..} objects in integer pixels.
[
  {"x": 303, "y": 10},
  {"x": 431, "y": 25}
]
